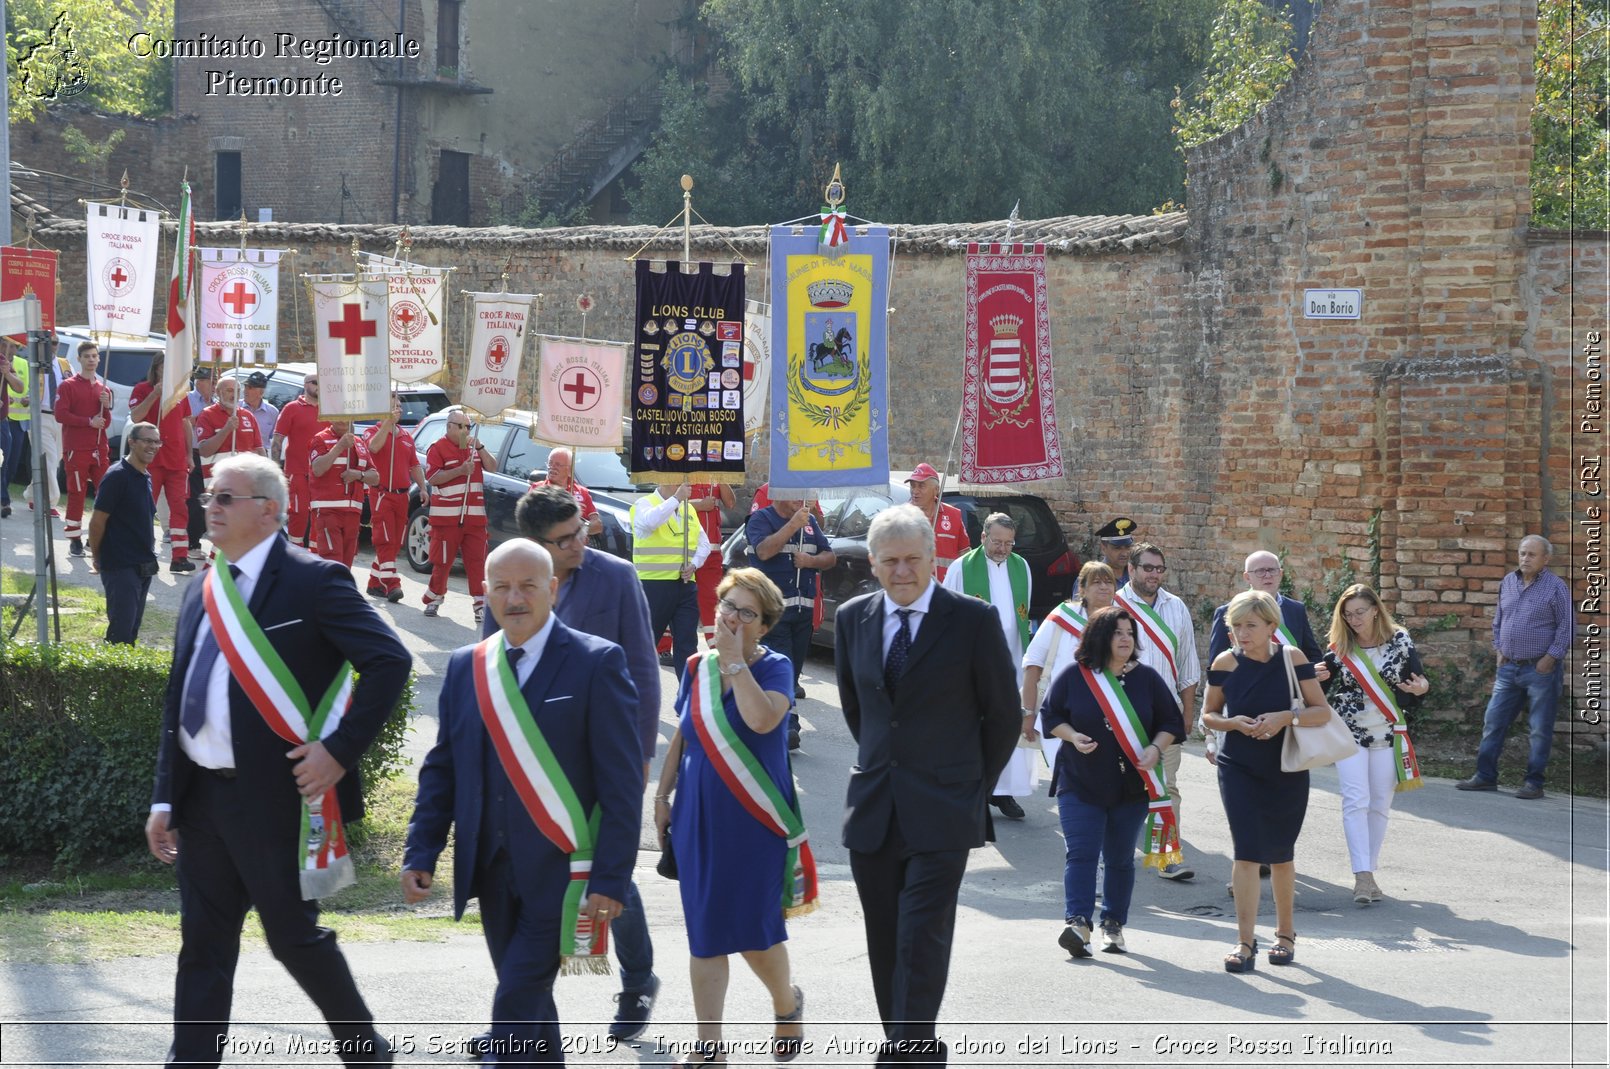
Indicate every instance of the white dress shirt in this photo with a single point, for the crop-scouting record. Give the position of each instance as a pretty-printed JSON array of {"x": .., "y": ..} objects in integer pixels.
[
  {"x": 648, "y": 520},
  {"x": 533, "y": 648},
  {"x": 891, "y": 622}
]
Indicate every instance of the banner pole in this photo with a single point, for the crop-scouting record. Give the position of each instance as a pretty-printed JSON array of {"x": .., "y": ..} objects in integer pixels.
[{"x": 687, "y": 220}]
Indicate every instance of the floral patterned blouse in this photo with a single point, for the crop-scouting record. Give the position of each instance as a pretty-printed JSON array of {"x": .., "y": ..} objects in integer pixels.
[{"x": 1392, "y": 659}]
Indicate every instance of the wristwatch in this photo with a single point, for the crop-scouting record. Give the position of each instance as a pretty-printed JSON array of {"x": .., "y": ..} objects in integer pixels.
[{"x": 734, "y": 670}]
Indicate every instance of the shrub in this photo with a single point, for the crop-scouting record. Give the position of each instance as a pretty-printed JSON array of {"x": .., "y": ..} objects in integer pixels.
[{"x": 79, "y": 725}]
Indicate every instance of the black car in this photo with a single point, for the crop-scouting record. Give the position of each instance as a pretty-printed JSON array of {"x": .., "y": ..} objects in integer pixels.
[
  {"x": 521, "y": 460},
  {"x": 1053, "y": 566}
]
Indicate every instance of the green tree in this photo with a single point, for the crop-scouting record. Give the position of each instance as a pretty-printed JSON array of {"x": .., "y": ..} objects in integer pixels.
[
  {"x": 60, "y": 50},
  {"x": 1249, "y": 60},
  {"x": 1569, "y": 138}
]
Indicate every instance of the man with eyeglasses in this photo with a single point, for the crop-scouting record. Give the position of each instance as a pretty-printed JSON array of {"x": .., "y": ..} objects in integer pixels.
[
  {"x": 298, "y": 422},
  {"x": 122, "y": 542},
  {"x": 1166, "y": 640},
  {"x": 1263, "y": 572},
  {"x": 788, "y": 545},
  {"x": 993, "y": 574},
  {"x": 453, "y": 466},
  {"x": 599, "y": 593}
]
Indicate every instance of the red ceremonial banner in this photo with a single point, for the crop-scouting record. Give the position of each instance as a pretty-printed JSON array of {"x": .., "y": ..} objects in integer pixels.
[
  {"x": 29, "y": 271},
  {"x": 1009, "y": 417}
]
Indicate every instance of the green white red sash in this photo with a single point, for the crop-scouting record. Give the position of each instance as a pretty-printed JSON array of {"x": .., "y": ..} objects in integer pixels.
[
  {"x": 751, "y": 784},
  {"x": 1161, "y": 832},
  {"x": 552, "y": 803},
  {"x": 1069, "y": 619},
  {"x": 1284, "y": 635},
  {"x": 1161, "y": 635},
  {"x": 1379, "y": 694},
  {"x": 257, "y": 668}
]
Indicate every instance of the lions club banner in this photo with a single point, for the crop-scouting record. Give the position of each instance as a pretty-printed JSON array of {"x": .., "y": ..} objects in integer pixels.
[
  {"x": 122, "y": 277},
  {"x": 240, "y": 306},
  {"x": 829, "y": 379},
  {"x": 687, "y": 375},
  {"x": 416, "y": 315},
  {"x": 580, "y": 399},
  {"x": 1009, "y": 417},
  {"x": 354, "y": 375},
  {"x": 497, "y": 343}
]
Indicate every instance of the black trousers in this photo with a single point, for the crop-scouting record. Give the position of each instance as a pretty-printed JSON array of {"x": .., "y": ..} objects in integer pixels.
[
  {"x": 230, "y": 860},
  {"x": 196, "y": 522},
  {"x": 792, "y": 638},
  {"x": 125, "y": 603},
  {"x": 674, "y": 604},
  {"x": 908, "y": 903}
]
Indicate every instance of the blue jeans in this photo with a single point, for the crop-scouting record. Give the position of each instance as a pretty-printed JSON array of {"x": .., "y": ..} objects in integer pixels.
[
  {"x": 1091, "y": 831},
  {"x": 633, "y": 948},
  {"x": 15, "y": 432},
  {"x": 1517, "y": 683}
]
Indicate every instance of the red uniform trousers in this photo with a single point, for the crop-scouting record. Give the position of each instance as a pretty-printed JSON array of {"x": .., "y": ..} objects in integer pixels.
[
  {"x": 175, "y": 483},
  {"x": 709, "y": 577},
  {"x": 388, "y": 524},
  {"x": 335, "y": 533},
  {"x": 298, "y": 507},
  {"x": 83, "y": 466},
  {"x": 447, "y": 542}
]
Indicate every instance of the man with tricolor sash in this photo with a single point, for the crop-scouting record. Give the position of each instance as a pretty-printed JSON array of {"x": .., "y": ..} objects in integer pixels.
[
  {"x": 283, "y": 674},
  {"x": 1167, "y": 643},
  {"x": 995, "y": 575},
  {"x": 538, "y": 769}
]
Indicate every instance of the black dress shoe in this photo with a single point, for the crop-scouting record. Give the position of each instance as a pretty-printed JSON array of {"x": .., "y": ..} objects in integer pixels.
[
  {"x": 1008, "y": 806},
  {"x": 799, "y": 690},
  {"x": 793, "y": 738}
]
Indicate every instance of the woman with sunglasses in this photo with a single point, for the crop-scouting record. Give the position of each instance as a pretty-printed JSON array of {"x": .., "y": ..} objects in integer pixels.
[
  {"x": 734, "y": 823},
  {"x": 1373, "y": 664}
]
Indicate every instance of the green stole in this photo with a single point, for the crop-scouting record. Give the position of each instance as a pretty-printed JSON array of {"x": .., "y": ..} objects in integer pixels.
[{"x": 975, "y": 583}]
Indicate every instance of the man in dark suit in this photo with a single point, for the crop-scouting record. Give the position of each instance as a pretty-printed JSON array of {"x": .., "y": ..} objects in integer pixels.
[
  {"x": 515, "y": 847},
  {"x": 230, "y": 788},
  {"x": 928, "y": 690}
]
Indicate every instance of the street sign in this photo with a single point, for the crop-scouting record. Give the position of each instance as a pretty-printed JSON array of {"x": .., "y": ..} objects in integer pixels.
[
  {"x": 1332, "y": 304},
  {"x": 19, "y": 315}
]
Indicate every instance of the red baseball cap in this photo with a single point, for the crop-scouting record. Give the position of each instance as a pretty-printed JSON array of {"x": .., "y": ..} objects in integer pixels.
[{"x": 922, "y": 473}]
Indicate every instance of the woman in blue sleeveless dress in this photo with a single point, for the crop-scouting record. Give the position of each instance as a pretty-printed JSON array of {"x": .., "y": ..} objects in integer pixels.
[
  {"x": 1249, "y": 698},
  {"x": 730, "y": 866}
]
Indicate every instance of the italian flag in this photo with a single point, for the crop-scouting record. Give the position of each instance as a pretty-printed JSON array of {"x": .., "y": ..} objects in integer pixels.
[{"x": 180, "y": 358}]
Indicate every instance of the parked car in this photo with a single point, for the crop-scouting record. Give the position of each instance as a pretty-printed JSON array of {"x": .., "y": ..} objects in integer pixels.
[
  {"x": 123, "y": 364},
  {"x": 520, "y": 460},
  {"x": 419, "y": 399},
  {"x": 1053, "y": 566}
]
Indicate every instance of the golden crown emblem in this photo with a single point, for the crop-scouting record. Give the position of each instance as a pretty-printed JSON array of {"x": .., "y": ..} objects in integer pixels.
[{"x": 1006, "y": 326}]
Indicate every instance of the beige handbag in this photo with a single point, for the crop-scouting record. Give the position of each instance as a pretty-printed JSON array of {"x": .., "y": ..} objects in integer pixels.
[{"x": 1312, "y": 745}]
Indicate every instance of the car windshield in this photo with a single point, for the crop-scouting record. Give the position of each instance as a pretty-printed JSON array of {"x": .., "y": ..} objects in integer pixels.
[
  {"x": 605, "y": 471},
  {"x": 416, "y": 406}
]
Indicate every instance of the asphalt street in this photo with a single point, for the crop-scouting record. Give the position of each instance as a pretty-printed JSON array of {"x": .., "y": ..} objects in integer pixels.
[{"x": 1489, "y": 950}]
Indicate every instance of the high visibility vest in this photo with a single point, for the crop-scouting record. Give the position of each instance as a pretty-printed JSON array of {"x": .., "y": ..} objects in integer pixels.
[{"x": 669, "y": 546}]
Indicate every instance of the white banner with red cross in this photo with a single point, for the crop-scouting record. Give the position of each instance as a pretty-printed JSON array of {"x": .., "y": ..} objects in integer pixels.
[
  {"x": 580, "y": 394},
  {"x": 122, "y": 261},
  {"x": 416, "y": 315},
  {"x": 240, "y": 306},
  {"x": 757, "y": 366},
  {"x": 499, "y": 325},
  {"x": 350, "y": 346}
]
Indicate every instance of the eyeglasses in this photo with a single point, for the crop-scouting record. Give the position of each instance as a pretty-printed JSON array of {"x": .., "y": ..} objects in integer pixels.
[
  {"x": 223, "y": 498},
  {"x": 146, "y": 441},
  {"x": 566, "y": 541},
  {"x": 1264, "y": 571},
  {"x": 1152, "y": 568},
  {"x": 458, "y": 424},
  {"x": 1357, "y": 614},
  {"x": 748, "y": 616},
  {"x": 997, "y": 543}
]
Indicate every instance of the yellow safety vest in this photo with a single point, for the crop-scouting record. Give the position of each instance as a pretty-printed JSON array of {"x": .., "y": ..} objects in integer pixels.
[
  {"x": 19, "y": 398},
  {"x": 669, "y": 547}
]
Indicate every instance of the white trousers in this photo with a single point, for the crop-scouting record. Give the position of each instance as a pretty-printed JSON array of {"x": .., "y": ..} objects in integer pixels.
[
  {"x": 51, "y": 431},
  {"x": 1368, "y": 781}
]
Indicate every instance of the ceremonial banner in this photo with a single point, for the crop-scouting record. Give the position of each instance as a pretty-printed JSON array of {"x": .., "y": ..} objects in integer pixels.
[
  {"x": 416, "y": 316},
  {"x": 757, "y": 366},
  {"x": 582, "y": 384},
  {"x": 122, "y": 261},
  {"x": 687, "y": 378},
  {"x": 829, "y": 383},
  {"x": 1009, "y": 421},
  {"x": 354, "y": 374},
  {"x": 29, "y": 273},
  {"x": 179, "y": 351},
  {"x": 240, "y": 306},
  {"x": 492, "y": 364}
]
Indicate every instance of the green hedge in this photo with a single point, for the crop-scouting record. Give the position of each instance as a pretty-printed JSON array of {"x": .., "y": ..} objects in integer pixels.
[{"x": 79, "y": 725}]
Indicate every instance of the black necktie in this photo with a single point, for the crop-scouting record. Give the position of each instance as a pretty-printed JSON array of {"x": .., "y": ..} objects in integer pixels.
[
  {"x": 194, "y": 711},
  {"x": 513, "y": 655},
  {"x": 898, "y": 650}
]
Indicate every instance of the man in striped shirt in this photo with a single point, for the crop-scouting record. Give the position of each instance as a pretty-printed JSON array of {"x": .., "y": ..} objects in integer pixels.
[{"x": 1532, "y": 631}]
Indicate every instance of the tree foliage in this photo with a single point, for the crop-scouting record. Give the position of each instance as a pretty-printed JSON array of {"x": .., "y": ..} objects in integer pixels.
[
  {"x": 61, "y": 50},
  {"x": 1249, "y": 60},
  {"x": 1569, "y": 138},
  {"x": 937, "y": 109}
]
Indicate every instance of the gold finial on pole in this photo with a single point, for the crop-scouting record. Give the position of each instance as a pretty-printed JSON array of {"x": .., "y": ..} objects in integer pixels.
[
  {"x": 123, "y": 184},
  {"x": 834, "y": 193},
  {"x": 503, "y": 276},
  {"x": 355, "y": 264},
  {"x": 687, "y": 219},
  {"x": 243, "y": 226}
]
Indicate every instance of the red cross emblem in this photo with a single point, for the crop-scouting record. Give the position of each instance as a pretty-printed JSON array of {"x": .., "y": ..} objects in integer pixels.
[
  {"x": 352, "y": 328},
  {"x": 118, "y": 275},
  {"x": 238, "y": 300},
  {"x": 580, "y": 388}
]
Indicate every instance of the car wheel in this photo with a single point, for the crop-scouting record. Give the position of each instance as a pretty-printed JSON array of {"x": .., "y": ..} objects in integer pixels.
[{"x": 417, "y": 540}]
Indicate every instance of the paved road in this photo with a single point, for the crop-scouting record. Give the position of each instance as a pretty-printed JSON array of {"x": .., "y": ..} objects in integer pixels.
[{"x": 1491, "y": 949}]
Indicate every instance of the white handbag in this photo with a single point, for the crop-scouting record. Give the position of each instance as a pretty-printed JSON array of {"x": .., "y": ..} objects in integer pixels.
[{"x": 1312, "y": 745}]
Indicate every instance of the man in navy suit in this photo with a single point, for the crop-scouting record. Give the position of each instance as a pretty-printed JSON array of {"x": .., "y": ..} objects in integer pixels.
[
  {"x": 227, "y": 806},
  {"x": 930, "y": 694},
  {"x": 574, "y": 691}
]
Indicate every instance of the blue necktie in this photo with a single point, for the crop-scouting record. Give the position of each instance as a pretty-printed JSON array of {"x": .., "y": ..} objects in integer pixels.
[
  {"x": 193, "y": 713},
  {"x": 899, "y": 649},
  {"x": 513, "y": 655}
]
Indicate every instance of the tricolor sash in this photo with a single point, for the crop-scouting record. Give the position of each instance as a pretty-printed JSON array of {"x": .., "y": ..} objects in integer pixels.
[
  {"x": 324, "y": 864},
  {"x": 1379, "y": 694},
  {"x": 1161, "y": 833},
  {"x": 1283, "y": 634},
  {"x": 1069, "y": 619},
  {"x": 549, "y": 799},
  {"x": 1161, "y": 635},
  {"x": 751, "y": 784}
]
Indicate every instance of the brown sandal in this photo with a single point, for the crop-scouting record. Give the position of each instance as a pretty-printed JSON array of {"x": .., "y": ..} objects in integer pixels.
[{"x": 1239, "y": 962}]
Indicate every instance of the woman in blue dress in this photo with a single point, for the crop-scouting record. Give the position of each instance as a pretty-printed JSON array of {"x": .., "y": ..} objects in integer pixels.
[
  {"x": 729, "y": 862},
  {"x": 1249, "y": 698}
]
